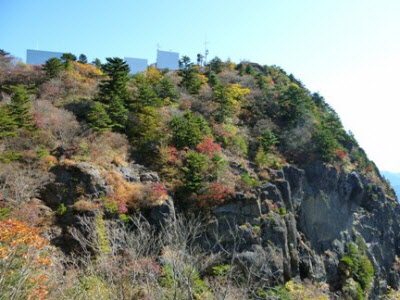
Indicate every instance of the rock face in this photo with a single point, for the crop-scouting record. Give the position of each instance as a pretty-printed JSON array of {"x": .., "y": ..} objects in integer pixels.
[
  {"x": 306, "y": 218},
  {"x": 83, "y": 179}
]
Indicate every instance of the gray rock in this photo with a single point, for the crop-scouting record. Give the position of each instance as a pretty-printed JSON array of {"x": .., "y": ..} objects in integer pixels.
[
  {"x": 163, "y": 214},
  {"x": 138, "y": 173}
]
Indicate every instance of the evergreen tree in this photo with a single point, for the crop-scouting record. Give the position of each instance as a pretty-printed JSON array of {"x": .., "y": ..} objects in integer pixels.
[
  {"x": 20, "y": 107},
  {"x": 294, "y": 104},
  {"x": 4, "y": 53},
  {"x": 213, "y": 79},
  {"x": 196, "y": 165},
  {"x": 117, "y": 71},
  {"x": 53, "y": 67},
  {"x": 82, "y": 59},
  {"x": 97, "y": 63},
  {"x": 166, "y": 90},
  {"x": 189, "y": 130},
  {"x": 144, "y": 127},
  {"x": 118, "y": 114},
  {"x": 68, "y": 58},
  {"x": 249, "y": 69},
  {"x": 146, "y": 96},
  {"x": 98, "y": 118},
  {"x": 240, "y": 68},
  {"x": 8, "y": 125},
  {"x": 216, "y": 65},
  {"x": 189, "y": 74}
]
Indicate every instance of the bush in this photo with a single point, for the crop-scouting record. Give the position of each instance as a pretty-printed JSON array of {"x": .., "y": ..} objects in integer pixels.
[
  {"x": 250, "y": 182},
  {"x": 189, "y": 130},
  {"x": 24, "y": 260},
  {"x": 215, "y": 195},
  {"x": 267, "y": 140},
  {"x": 21, "y": 182},
  {"x": 208, "y": 147},
  {"x": 59, "y": 123},
  {"x": 359, "y": 266}
]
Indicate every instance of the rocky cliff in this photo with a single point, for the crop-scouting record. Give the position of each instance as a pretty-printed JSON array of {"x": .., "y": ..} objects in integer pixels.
[{"x": 321, "y": 211}]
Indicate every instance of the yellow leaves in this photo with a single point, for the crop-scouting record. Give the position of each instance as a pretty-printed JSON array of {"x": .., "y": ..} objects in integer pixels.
[
  {"x": 236, "y": 91},
  {"x": 153, "y": 75},
  {"x": 202, "y": 78},
  {"x": 86, "y": 69},
  {"x": 231, "y": 93},
  {"x": 299, "y": 291}
]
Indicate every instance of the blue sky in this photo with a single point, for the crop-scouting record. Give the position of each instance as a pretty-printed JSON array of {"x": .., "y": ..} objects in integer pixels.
[{"x": 348, "y": 50}]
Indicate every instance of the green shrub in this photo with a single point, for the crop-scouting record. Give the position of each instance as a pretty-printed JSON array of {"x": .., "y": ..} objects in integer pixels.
[
  {"x": 251, "y": 182},
  {"x": 238, "y": 145},
  {"x": 62, "y": 209},
  {"x": 359, "y": 266},
  {"x": 10, "y": 156},
  {"x": 189, "y": 130},
  {"x": 5, "y": 213},
  {"x": 221, "y": 270},
  {"x": 267, "y": 140}
]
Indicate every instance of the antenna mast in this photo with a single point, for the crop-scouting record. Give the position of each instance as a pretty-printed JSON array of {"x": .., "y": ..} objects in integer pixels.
[{"x": 205, "y": 50}]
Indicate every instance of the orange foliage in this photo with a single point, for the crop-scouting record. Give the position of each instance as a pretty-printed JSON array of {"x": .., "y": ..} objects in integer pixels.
[
  {"x": 15, "y": 233},
  {"x": 125, "y": 192},
  {"x": 22, "y": 246}
]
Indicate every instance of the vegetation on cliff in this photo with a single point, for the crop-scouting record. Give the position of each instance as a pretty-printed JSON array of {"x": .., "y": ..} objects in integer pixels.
[{"x": 210, "y": 132}]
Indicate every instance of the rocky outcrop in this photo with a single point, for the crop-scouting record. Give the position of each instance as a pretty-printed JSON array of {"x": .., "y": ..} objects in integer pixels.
[
  {"x": 138, "y": 173},
  {"x": 82, "y": 180},
  {"x": 307, "y": 217}
]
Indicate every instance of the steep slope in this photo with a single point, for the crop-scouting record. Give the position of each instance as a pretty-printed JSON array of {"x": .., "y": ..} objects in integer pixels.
[{"x": 210, "y": 182}]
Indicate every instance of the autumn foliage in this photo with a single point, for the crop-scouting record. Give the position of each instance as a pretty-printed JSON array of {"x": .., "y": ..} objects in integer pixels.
[
  {"x": 23, "y": 260},
  {"x": 215, "y": 195},
  {"x": 208, "y": 147}
]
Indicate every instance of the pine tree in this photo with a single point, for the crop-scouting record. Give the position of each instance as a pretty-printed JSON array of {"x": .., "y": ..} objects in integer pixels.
[
  {"x": 8, "y": 125},
  {"x": 118, "y": 114},
  {"x": 98, "y": 118},
  {"x": 189, "y": 73},
  {"x": 68, "y": 58},
  {"x": 97, "y": 62},
  {"x": 146, "y": 97},
  {"x": 20, "y": 107},
  {"x": 165, "y": 89},
  {"x": 82, "y": 59},
  {"x": 117, "y": 71},
  {"x": 53, "y": 67}
]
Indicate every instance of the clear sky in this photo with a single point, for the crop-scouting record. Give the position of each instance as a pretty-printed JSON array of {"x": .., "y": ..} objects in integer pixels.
[{"x": 348, "y": 50}]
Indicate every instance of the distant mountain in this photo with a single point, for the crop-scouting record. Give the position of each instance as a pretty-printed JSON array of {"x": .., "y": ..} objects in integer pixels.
[{"x": 394, "y": 179}]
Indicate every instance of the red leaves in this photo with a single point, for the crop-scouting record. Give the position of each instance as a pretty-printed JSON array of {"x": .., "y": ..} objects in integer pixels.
[
  {"x": 341, "y": 154},
  {"x": 208, "y": 147},
  {"x": 215, "y": 195}
]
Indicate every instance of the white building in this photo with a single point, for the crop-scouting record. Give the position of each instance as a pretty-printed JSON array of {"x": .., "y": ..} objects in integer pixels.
[
  {"x": 167, "y": 60},
  {"x": 39, "y": 57},
  {"x": 136, "y": 65}
]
